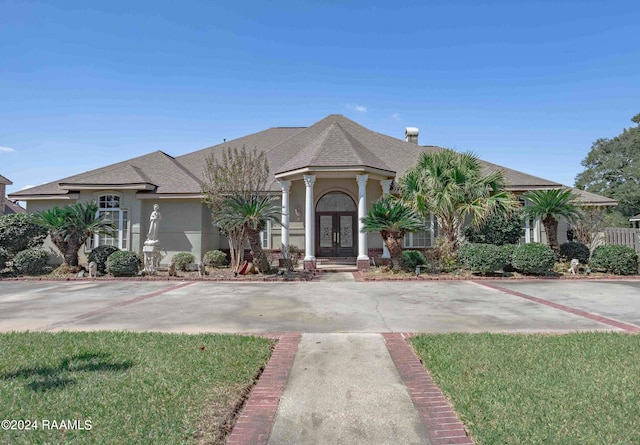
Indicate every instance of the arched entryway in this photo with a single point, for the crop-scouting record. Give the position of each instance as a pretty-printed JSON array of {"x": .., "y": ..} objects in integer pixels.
[{"x": 336, "y": 226}]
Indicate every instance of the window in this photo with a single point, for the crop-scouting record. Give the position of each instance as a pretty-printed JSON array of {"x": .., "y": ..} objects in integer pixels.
[
  {"x": 529, "y": 234},
  {"x": 423, "y": 238},
  {"x": 265, "y": 236},
  {"x": 109, "y": 208}
]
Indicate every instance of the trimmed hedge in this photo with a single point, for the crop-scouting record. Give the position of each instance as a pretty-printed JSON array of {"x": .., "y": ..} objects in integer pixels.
[
  {"x": 572, "y": 249},
  {"x": 183, "y": 259},
  {"x": 533, "y": 258},
  {"x": 31, "y": 261},
  {"x": 215, "y": 258},
  {"x": 498, "y": 229},
  {"x": 484, "y": 258},
  {"x": 100, "y": 255},
  {"x": 411, "y": 259},
  {"x": 19, "y": 232},
  {"x": 123, "y": 263},
  {"x": 620, "y": 260}
]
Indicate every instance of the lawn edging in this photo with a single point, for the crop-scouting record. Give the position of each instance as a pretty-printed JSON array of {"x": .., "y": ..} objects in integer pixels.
[{"x": 440, "y": 420}]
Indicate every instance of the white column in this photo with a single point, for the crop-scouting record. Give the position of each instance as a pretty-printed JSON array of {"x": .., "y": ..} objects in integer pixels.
[
  {"x": 309, "y": 219},
  {"x": 284, "y": 243},
  {"x": 363, "y": 251},
  {"x": 386, "y": 189}
]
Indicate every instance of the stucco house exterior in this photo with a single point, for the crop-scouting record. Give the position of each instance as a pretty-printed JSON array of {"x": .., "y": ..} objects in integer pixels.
[{"x": 325, "y": 175}]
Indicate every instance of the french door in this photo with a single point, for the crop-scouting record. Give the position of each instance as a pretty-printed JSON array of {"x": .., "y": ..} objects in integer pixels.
[{"x": 336, "y": 234}]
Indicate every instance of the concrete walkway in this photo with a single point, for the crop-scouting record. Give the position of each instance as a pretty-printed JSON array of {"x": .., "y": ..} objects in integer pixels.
[{"x": 345, "y": 389}]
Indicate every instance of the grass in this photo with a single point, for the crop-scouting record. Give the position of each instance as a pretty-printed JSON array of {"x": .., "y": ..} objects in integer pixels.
[
  {"x": 135, "y": 388},
  {"x": 581, "y": 388}
]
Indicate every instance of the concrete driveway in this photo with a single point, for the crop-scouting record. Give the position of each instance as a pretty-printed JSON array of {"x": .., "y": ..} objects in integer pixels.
[{"x": 317, "y": 307}]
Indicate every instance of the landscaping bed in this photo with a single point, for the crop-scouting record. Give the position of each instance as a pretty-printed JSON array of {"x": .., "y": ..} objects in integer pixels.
[
  {"x": 131, "y": 387},
  {"x": 539, "y": 389}
]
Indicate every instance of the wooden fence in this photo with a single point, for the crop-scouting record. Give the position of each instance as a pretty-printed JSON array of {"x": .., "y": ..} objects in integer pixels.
[{"x": 623, "y": 237}]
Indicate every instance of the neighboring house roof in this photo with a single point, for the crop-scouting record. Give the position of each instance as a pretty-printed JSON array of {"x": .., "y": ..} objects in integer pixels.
[
  {"x": 4, "y": 180},
  {"x": 13, "y": 207},
  {"x": 333, "y": 142},
  {"x": 635, "y": 218}
]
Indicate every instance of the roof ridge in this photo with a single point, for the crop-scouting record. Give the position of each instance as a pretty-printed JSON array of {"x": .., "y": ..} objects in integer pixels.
[{"x": 352, "y": 139}]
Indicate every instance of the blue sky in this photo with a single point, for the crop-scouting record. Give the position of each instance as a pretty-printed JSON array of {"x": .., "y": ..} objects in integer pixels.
[{"x": 526, "y": 85}]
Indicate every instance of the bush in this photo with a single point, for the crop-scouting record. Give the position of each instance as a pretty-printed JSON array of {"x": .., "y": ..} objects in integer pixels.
[
  {"x": 100, "y": 254},
  {"x": 4, "y": 257},
  {"x": 497, "y": 229},
  {"x": 533, "y": 258},
  {"x": 215, "y": 258},
  {"x": 620, "y": 260},
  {"x": 18, "y": 232},
  {"x": 411, "y": 259},
  {"x": 31, "y": 261},
  {"x": 484, "y": 258},
  {"x": 572, "y": 249},
  {"x": 183, "y": 259},
  {"x": 123, "y": 263}
]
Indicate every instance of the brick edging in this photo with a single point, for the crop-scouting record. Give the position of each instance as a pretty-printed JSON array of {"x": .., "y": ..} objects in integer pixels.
[
  {"x": 440, "y": 420},
  {"x": 595, "y": 317},
  {"x": 253, "y": 426}
]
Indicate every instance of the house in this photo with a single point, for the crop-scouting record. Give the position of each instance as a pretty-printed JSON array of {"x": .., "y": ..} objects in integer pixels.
[
  {"x": 325, "y": 175},
  {"x": 7, "y": 206}
]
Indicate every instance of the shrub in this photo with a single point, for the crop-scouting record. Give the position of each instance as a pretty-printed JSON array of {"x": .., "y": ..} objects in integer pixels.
[
  {"x": 508, "y": 250},
  {"x": 620, "y": 260},
  {"x": 123, "y": 263},
  {"x": 183, "y": 259},
  {"x": 215, "y": 258},
  {"x": 484, "y": 258},
  {"x": 411, "y": 259},
  {"x": 4, "y": 257},
  {"x": 31, "y": 261},
  {"x": 100, "y": 254},
  {"x": 572, "y": 249},
  {"x": 533, "y": 258},
  {"x": 497, "y": 229},
  {"x": 18, "y": 232}
]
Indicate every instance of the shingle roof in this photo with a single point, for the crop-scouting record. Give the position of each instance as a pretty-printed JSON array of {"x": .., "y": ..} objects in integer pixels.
[
  {"x": 591, "y": 199},
  {"x": 4, "y": 180},
  {"x": 333, "y": 141}
]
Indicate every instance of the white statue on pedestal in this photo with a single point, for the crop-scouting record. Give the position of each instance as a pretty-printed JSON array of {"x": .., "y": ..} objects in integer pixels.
[{"x": 154, "y": 222}]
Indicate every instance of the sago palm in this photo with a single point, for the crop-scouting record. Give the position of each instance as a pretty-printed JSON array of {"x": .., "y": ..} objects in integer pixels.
[
  {"x": 251, "y": 212},
  {"x": 453, "y": 187},
  {"x": 393, "y": 219},
  {"x": 549, "y": 205},
  {"x": 70, "y": 226}
]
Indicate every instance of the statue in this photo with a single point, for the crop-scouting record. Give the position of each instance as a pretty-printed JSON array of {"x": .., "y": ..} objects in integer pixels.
[{"x": 154, "y": 221}]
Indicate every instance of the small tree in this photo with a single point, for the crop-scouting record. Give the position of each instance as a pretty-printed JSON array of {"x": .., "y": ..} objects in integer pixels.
[
  {"x": 591, "y": 223},
  {"x": 393, "y": 219},
  {"x": 239, "y": 174},
  {"x": 70, "y": 226},
  {"x": 549, "y": 205}
]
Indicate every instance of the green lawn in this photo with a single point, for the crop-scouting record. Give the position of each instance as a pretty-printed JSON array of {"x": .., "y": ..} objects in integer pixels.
[
  {"x": 147, "y": 388},
  {"x": 581, "y": 388}
]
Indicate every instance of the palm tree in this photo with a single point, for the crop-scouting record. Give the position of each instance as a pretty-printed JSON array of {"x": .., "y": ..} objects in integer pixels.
[
  {"x": 454, "y": 188},
  {"x": 549, "y": 205},
  {"x": 393, "y": 219},
  {"x": 251, "y": 213},
  {"x": 70, "y": 226}
]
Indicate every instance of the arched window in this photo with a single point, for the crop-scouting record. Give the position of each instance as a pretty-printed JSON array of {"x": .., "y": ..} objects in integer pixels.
[{"x": 109, "y": 207}]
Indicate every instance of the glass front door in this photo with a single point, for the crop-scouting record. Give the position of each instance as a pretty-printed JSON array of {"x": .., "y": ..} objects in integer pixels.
[{"x": 336, "y": 234}]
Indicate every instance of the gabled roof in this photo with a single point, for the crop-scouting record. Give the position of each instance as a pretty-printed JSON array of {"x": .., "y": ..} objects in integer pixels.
[
  {"x": 591, "y": 199},
  {"x": 517, "y": 180},
  {"x": 4, "y": 180}
]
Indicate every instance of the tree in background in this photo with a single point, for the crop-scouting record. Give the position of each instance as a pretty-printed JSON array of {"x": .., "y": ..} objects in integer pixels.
[
  {"x": 19, "y": 231},
  {"x": 393, "y": 219},
  {"x": 612, "y": 169},
  {"x": 455, "y": 189},
  {"x": 549, "y": 205},
  {"x": 240, "y": 175},
  {"x": 70, "y": 226}
]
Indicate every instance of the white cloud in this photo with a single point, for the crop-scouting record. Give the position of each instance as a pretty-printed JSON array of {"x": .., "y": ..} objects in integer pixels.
[
  {"x": 396, "y": 117},
  {"x": 7, "y": 150},
  {"x": 358, "y": 108}
]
